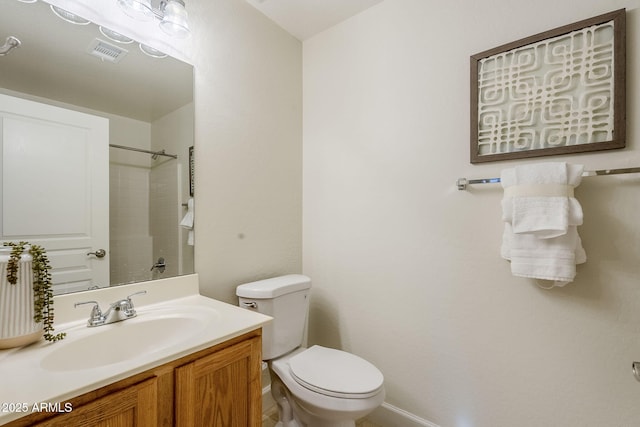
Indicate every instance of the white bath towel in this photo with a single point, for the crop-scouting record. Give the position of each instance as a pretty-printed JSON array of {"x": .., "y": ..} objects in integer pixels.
[
  {"x": 552, "y": 259},
  {"x": 541, "y": 214}
]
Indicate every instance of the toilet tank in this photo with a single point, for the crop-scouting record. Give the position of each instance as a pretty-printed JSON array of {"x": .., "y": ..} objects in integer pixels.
[{"x": 286, "y": 299}]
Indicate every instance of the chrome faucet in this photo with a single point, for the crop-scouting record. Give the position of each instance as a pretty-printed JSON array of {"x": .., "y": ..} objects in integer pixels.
[{"x": 120, "y": 310}]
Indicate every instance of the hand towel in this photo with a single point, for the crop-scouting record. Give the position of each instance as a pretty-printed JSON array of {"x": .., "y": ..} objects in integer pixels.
[
  {"x": 539, "y": 198},
  {"x": 541, "y": 216}
]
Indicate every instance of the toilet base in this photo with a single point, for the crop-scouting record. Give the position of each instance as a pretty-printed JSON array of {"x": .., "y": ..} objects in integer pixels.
[
  {"x": 295, "y": 424},
  {"x": 291, "y": 414}
]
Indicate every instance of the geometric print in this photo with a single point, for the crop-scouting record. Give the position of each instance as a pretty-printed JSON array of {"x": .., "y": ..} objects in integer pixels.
[{"x": 553, "y": 93}]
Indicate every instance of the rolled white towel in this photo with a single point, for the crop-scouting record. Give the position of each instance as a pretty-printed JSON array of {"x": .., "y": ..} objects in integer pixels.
[{"x": 539, "y": 198}]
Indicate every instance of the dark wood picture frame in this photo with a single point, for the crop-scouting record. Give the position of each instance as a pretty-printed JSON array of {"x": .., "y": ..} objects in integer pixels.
[
  {"x": 191, "y": 171},
  {"x": 499, "y": 143}
]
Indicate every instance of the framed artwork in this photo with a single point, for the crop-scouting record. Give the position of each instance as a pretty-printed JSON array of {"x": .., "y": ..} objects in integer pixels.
[
  {"x": 557, "y": 92},
  {"x": 191, "y": 170}
]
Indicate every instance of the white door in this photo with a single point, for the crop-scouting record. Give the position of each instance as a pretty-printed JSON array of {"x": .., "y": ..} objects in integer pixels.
[{"x": 55, "y": 188}]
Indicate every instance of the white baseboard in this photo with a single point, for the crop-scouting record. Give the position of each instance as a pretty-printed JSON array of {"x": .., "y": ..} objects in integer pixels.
[{"x": 388, "y": 415}]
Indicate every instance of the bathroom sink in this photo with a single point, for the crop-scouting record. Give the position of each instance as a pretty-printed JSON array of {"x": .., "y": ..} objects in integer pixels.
[
  {"x": 173, "y": 321},
  {"x": 149, "y": 332}
]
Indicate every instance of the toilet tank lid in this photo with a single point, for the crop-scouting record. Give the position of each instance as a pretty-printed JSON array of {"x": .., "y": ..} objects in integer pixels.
[{"x": 274, "y": 287}]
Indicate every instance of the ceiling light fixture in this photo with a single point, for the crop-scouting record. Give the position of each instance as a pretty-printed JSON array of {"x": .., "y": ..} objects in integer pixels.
[
  {"x": 172, "y": 15},
  {"x": 116, "y": 37},
  {"x": 154, "y": 53},
  {"x": 68, "y": 16}
]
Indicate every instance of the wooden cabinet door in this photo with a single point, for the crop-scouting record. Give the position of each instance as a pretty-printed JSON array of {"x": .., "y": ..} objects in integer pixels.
[
  {"x": 222, "y": 389},
  {"x": 135, "y": 406}
]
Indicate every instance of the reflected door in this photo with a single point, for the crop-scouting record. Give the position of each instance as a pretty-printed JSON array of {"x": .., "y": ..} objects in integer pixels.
[{"x": 55, "y": 188}]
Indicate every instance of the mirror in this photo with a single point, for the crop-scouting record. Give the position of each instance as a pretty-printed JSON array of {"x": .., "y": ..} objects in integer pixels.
[{"x": 148, "y": 102}]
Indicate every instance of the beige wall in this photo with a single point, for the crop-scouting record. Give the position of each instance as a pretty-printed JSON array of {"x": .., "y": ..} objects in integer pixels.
[
  {"x": 248, "y": 109},
  {"x": 407, "y": 270},
  {"x": 174, "y": 134}
]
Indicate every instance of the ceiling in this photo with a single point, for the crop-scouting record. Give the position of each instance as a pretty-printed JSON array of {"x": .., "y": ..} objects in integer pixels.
[
  {"x": 306, "y": 18},
  {"x": 74, "y": 77},
  {"x": 53, "y": 63}
]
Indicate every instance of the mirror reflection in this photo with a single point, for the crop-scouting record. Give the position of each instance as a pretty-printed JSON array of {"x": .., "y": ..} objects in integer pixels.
[{"x": 96, "y": 141}]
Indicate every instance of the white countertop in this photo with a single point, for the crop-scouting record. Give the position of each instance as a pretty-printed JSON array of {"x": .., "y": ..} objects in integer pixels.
[{"x": 25, "y": 382}]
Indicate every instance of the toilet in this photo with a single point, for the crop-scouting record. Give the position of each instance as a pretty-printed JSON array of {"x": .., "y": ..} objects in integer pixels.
[{"x": 316, "y": 386}]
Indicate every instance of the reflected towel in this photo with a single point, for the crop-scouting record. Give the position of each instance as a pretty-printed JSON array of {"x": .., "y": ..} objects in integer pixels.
[{"x": 187, "y": 220}]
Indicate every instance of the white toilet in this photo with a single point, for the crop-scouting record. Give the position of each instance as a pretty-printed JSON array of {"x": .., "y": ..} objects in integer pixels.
[{"x": 314, "y": 387}]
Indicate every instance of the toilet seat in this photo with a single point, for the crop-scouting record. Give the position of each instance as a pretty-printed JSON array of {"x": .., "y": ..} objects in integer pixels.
[{"x": 335, "y": 373}]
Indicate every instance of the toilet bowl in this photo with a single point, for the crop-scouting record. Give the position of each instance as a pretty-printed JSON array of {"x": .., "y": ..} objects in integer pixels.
[
  {"x": 316, "y": 386},
  {"x": 326, "y": 387}
]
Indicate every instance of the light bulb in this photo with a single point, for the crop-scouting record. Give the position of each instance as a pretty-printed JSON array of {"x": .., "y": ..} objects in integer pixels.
[
  {"x": 137, "y": 9},
  {"x": 175, "y": 21}
]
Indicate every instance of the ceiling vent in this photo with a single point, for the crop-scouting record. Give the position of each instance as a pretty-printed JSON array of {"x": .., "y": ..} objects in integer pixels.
[{"x": 106, "y": 51}]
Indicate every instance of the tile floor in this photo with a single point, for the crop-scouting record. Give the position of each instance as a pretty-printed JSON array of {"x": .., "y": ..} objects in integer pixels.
[{"x": 270, "y": 418}]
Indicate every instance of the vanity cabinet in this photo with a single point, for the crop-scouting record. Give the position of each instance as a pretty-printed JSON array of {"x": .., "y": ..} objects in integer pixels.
[
  {"x": 132, "y": 406},
  {"x": 218, "y": 390},
  {"x": 216, "y": 387}
]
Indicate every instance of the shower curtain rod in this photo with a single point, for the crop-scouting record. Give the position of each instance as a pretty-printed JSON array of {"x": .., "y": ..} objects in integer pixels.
[
  {"x": 463, "y": 182},
  {"x": 154, "y": 154}
]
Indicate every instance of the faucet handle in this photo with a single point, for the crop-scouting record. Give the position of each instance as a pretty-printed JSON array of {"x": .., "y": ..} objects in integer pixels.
[
  {"x": 136, "y": 293},
  {"x": 96, "y": 318},
  {"x": 95, "y": 309},
  {"x": 127, "y": 305}
]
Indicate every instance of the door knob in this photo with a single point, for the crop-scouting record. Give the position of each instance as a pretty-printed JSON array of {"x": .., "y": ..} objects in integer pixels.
[{"x": 100, "y": 253}]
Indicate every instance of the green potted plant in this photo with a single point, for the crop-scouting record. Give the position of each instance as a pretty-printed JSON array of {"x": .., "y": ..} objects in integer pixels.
[{"x": 18, "y": 274}]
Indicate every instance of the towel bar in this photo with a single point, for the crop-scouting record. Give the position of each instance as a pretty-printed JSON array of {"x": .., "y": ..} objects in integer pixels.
[{"x": 462, "y": 183}]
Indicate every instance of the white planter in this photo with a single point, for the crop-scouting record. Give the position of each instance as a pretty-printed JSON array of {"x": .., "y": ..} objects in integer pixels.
[{"x": 17, "y": 327}]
